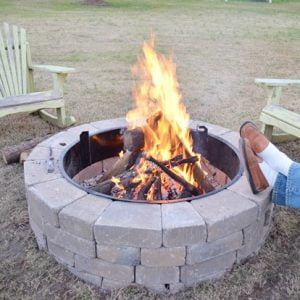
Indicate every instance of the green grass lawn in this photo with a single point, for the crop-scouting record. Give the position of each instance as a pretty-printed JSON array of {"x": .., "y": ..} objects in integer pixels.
[{"x": 219, "y": 48}]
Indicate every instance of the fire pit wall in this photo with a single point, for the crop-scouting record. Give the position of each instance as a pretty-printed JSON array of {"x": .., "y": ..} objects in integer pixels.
[{"x": 164, "y": 247}]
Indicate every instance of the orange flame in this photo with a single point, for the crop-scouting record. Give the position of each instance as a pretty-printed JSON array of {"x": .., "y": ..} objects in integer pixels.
[
  {"x": 160, "y": 111},
  {"x": 119, "y": 187}
]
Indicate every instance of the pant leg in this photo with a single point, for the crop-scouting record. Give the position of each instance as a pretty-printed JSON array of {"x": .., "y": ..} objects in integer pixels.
[
  {"x": 293, "y": 186},
  {"x": 279, "y": 188},
  {"x": 286, "y": 190}
]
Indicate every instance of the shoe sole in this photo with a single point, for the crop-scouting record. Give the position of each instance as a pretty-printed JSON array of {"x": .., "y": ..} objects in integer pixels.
[
  {"x": 242, "y": 148},
  {"x": 245, "y": 123}
]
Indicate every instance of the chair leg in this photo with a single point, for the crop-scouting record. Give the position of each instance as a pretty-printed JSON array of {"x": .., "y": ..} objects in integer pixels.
[
  {"x": 268, "y": 131},
  {"x": 60, "y": 120},
  {"x": 63, "y": 119},
  {"x": 283, "y": 137}
]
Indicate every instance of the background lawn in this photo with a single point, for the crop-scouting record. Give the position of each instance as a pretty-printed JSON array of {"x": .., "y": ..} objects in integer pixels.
[{"x": 219, "y": 49}]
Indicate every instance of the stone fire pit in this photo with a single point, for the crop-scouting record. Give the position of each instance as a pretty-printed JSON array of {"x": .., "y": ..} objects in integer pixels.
[{"x": 164, "y": 247}]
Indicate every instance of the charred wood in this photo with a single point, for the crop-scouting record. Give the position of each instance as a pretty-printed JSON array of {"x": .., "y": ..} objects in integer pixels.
[
  {"x": 173, "y": 160},
  {"x": 142, "y": 194},
  {"x": 186, "y": 185},
  {"x": 215, "y": 175},
  {"x": 104, "y": 187},
  {"x": 199, "y": 174},
  {"x": 121, "y": 165},
  {"x": 185, "y": 194},
  {"x": 157, "y": 195},
  {"x": 189, "y": 160}
]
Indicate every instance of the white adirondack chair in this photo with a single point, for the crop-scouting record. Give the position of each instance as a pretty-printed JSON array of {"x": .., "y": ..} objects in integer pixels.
[
  {"x": 274, "y": 115},
  {"x": 17, "y": 92}
]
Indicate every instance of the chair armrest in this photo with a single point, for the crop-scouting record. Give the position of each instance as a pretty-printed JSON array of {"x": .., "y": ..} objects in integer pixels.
[
  {"x": 53, "y": 69},
  {"x": 276, "y": 82}
]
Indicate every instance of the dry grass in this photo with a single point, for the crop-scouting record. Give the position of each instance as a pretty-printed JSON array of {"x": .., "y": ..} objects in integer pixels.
[{"x": 219, "y": 49}]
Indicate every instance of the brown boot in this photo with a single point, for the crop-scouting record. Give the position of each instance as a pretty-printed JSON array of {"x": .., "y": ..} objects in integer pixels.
[
  {"x": 255, "y": 176},
  {"x": 257, "y": 140}
]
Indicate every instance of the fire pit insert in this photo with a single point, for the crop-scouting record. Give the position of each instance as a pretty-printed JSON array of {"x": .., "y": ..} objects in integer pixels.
[{"x": 92, "y": 155}]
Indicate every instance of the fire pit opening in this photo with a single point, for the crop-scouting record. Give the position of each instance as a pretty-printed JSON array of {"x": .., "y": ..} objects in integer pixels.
[
  {"x": 157, "y": 158},
  {"x": 95, "y": 156}
]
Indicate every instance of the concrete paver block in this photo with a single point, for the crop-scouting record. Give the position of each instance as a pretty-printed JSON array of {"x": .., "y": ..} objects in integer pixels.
[
  {"x": 130, "y": 224},
  {"x": 182, "y": 225}
]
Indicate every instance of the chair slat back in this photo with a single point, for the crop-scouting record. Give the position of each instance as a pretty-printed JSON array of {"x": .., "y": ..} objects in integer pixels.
[{"x": 13, "y": 61}]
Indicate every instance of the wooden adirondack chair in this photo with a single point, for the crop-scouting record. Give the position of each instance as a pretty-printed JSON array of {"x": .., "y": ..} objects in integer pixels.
[
  {"x": 273, "y": 115},
  {"x": 17, "y": 93}
]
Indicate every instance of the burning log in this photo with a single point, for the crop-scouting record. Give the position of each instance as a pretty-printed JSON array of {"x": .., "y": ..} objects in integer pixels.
[
  {"x": 186, "y": 185},
  {"x": 215, "y": 175},
  {"x": 173, "y": 160},
  {"x": 199, "y": 174},
  {"x": 104, "y": 187},
  {"x": 142, "y": 194},
  {"x": 157, "y": 195},
  {"x": 189, "y": 160},
  {"x": 133, "y": 139},
  {"x": 185, "y": 194},
  {"x": 126, "y": 180},
  {"x": 124, "y": 163},
  {"x": 154, "y": 119}
]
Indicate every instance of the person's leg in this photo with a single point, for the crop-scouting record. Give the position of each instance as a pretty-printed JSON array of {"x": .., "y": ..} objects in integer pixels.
[
  {"x": 293, "y": 186},
  {"x": 279, "y": 190},
  {"x": 276, "y": 159},
  {"x": 258, "y": 182},
  {"x": 286, "y": 190},
  {"x": 269, "y": 173},
  {"x": 276, "y": 164}
]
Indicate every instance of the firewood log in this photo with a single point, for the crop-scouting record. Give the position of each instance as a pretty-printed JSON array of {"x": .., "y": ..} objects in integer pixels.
[
  {"x": 189, "y": 160},
  {"x": 173, "y": 159},
  {"x": 24, "y": 155},
  {"x": 216, "y": 176},
  {"x": 142, "y": 194},
  {"x": 185, "y": 194},
  {"x": 106, "y": 186},
  {"x": 199, "y": 174},
  {"x": 121, "y": 165},
  {"x": 103, "y": 187},
  {"x": 133, "y": 139},
  {"x": 11, "y": 154},
  {"x": 157, "y": 195},
  {"x": 189, "y": 187}
]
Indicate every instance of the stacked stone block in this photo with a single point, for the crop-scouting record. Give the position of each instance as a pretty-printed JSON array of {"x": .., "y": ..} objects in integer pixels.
[{"x": 114, "y": 244}]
